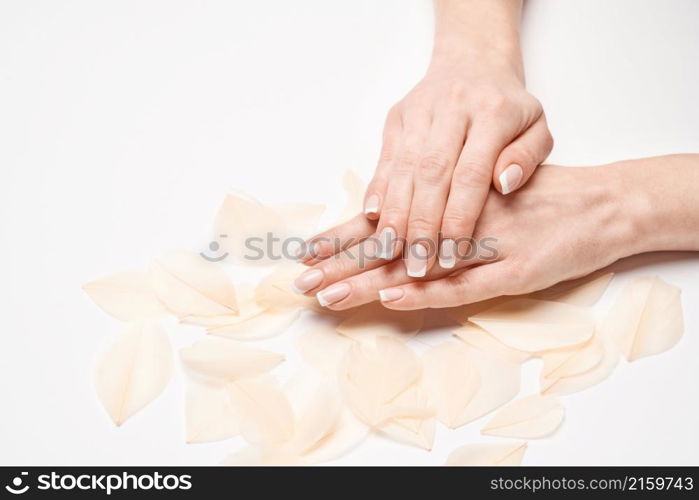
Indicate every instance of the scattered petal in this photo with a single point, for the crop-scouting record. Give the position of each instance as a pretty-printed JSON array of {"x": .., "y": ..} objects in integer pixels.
[
  {"x": 536, "y": 325},
  {"x": 574, "y": 383},
  {"x": 209, "y": 414},
  {"x": 646, "y": 318},
  {"x": 451, "y": 379},
  {"x": 244, "y": 220},
  {"x": 133, "y": 370},
  {"x": 128, "y": 296},
  {"x": 226, "y": 359},
  {"x": 374, "y": 374},
  {"x": 191, "y": 286},
  {"x": 487, "y": 454},
  {"x": 527, "y": 418},
  {"x": 323, "y": 349},
  {"x": 573, "y": 360},
  {"x": 478, "y": 338},
  {"x": 412, "y": 421},
  {"x": 266, "y": 415},
  {"x": 374, "y": 320},
  {"x": 582, "y": 292},
  {"x": 499, "y": 383}
]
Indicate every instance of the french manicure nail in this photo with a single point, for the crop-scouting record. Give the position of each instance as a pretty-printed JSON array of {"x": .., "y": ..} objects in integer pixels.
[
  {"x": 333, "y": 294},
  {"x": 417, "y": 261},
  {"x": 510, "y": 178},
  {"x": 390, "y": 294},
  {"x": 371, "y": 206},
  {"x": 386, "y": 242},
  {"x": 447, "y": 254},
  {"x": 307, "y": 281}
]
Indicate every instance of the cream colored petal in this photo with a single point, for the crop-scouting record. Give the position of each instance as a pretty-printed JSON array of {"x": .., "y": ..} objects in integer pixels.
[
  {"x": 354, "y": 189},
  {"x": 275, "y": 290},
  {"x": 499, "y": 383},
  {"x": 583, "y": 292},
  {"x": 646, "y": 318},
  {"x": 316, "y": 410},
  {"x": 374, "y": 374},
  {"x": 462, "y": 314},
  {"x": 191, "y": 286},
  {"x": 536, "y": 325},
  {"x": 266, "y": 415},
  {"x": 573, "y": 360},
  {"x": 412, "y": 420},
  {"x": 451, "y": 379},
  {"x": 247, "y": 223},
  {"x": 267, "y": 323},
  {"x": 487, "y": 454},
  {"x": 575, "y": 383},
  {"x": 531, "y": 417},
  {"x": 133, "y": 370},
  {"x": 323, "y": 349},
  {"x": 375, "y": 320},
  {"x": 226, "y": 359},
  {"x": 349, "y": 432},
  {"x": 127, "y": 296},
  {"x": 478, "y": 338},
  {"x": 209, "y": 414}
]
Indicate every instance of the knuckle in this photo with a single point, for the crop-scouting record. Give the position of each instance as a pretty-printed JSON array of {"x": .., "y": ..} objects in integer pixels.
[
  {"x": 392, "y": 215},
  {"x": 471, "y": 173},
  {"x": 421, "y": 225},
  {"x": 434, "y": 166},
  {"x": 455, "y": 224},
  {"x": 407, "y": 162},
  {"x": 495, "y": 104},
  {"x": 524, "y": 155}
]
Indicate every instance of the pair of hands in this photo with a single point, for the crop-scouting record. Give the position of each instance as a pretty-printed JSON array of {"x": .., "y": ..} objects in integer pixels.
[
  {"x": 566, "y": 223},
  {"x": 463, "y": 127}
]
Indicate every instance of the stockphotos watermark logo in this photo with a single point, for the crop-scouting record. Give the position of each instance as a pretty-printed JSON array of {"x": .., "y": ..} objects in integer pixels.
[{"x": 104, "y": 483}]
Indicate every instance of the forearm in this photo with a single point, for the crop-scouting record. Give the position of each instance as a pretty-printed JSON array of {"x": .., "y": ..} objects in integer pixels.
[
  {"x": 662, "y": 201},
  {"x": 478, "y": 32}
]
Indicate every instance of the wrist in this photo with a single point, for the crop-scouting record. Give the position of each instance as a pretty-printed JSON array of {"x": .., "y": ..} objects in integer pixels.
[{"x": 656, "y": 203}]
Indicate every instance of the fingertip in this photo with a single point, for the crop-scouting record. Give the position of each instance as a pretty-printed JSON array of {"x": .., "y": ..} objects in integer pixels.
[
  {"x": 371, "y": 207},
  {"x": 510, "y": 179},
  {"x": 391, "y": 294}
]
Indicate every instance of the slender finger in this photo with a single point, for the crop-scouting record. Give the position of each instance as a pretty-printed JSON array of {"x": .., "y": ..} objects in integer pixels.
[
  {"x": 519, "y": 159},
  {"x": 325, "y": 274},
  {"x": 430, "y": 190},
  {"x": 469, "y": 189},
  {"x": 362, "y": 288},
  {"x": 376, "y": 190},
  {"x": 335, "y": 239},
  {"x": 393, "y": 222},
  {"x": 472, "y": 285}
]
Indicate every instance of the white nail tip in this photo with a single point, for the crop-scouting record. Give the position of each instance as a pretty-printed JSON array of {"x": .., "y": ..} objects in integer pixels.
[
  {"x": 321, "y": 300},
  {"x": 418, "y": 274},
  {"x": 504, "y": 183}
]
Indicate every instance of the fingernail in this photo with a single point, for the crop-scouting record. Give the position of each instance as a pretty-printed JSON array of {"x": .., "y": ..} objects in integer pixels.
[
  {"x": 510, "y": 178},
  {"x": 371, "y": 206},
  {"x": 390, "y": 294},
  {"x": 447, "y": 254},
  {"x": 333, "y": 294},
  {"x": 307, "y": 281},
  {"x": 386, "y": 242},
  {"x": 417, "y": 261}
]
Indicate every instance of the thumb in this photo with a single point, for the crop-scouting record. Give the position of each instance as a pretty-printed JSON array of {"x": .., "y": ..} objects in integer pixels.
[{"x": 520, "y": 158}]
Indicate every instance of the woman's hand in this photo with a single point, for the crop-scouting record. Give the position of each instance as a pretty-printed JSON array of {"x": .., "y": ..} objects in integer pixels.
[
  {"x": 566, "y": 223},
  {"x": 467, "y": 124}
]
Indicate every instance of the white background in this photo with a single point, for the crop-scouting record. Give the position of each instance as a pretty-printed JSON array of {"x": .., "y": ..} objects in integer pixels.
[{"x": 123, "y": 124}]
